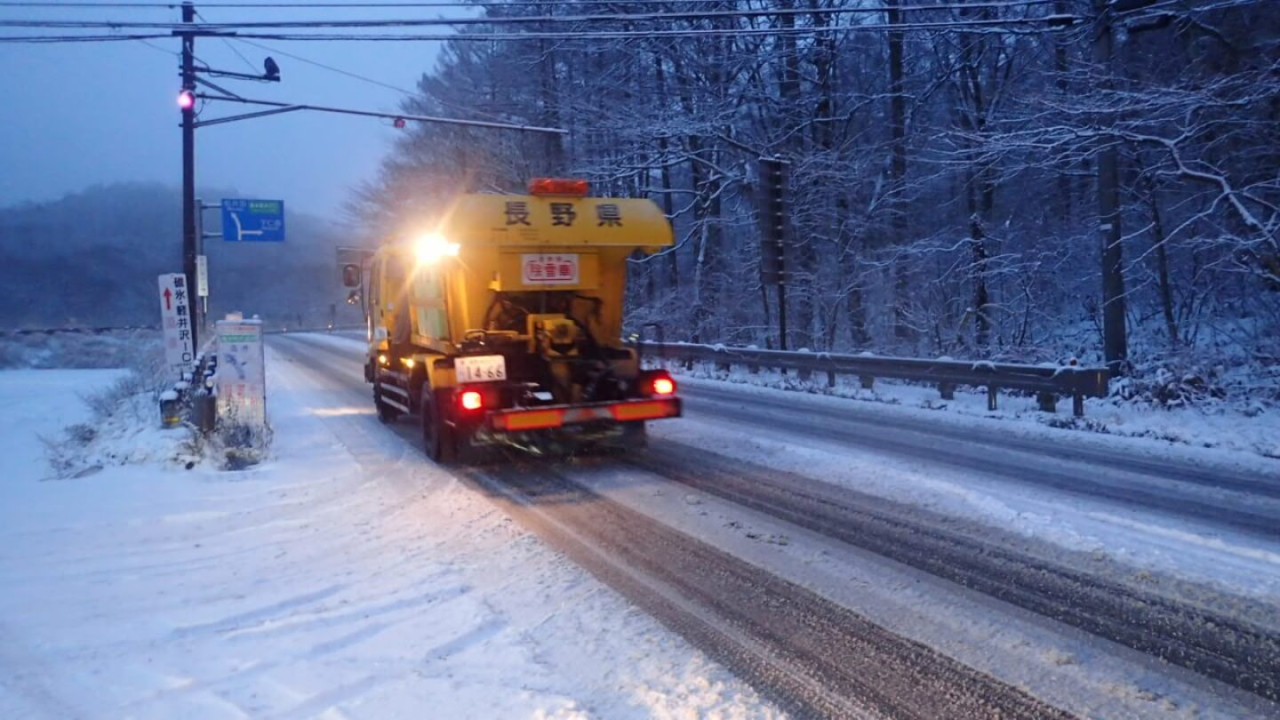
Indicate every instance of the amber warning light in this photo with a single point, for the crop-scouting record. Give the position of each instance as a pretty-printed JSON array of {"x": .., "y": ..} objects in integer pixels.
[{"x": 559, "y": 186}]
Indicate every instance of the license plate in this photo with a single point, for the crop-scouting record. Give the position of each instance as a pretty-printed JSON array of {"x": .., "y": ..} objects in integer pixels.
[{"x": 480, "y": 368}]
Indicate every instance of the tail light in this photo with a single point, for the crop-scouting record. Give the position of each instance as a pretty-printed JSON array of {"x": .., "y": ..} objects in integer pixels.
[
  {"x": 664, "y": 386},
  {"x": 471, "y": 400}
]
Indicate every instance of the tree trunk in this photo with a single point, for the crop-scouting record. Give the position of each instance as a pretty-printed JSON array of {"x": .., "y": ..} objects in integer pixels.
[{"x": 898, "y": 171}]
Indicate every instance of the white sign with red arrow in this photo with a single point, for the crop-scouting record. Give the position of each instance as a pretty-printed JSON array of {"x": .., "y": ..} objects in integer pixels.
[{"x": 175, "y": 320}]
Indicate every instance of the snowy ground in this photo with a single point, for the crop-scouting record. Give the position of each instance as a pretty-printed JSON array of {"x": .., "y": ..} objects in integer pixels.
[
  {"x": 1251, "y": 429},
  {"x": 344, "y": 578},
  {"x": 1142, "y": 539}
]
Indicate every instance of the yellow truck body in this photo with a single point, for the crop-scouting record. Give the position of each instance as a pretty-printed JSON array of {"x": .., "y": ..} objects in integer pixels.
[{"x": 515, "y": 302}]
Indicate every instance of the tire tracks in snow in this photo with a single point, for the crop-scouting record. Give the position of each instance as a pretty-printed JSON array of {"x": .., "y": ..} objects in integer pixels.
[
  {"x": 1092, "y": 475},
  {"x": 814, "y": 657},
  {"x": 1231, "y": 650}
]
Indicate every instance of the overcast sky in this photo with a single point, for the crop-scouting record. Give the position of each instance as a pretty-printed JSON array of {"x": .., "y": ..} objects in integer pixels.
[{"x": 74, "y": 115}]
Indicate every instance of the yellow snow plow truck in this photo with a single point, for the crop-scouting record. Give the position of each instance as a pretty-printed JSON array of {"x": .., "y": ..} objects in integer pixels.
[{"x": 503, "y": 324}]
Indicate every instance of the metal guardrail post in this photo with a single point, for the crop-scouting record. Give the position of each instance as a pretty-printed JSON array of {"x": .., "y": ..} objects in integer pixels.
[{"x": 1048, "y": 401}]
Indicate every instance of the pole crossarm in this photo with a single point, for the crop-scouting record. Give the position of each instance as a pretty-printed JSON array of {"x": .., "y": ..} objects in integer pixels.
[
  {"x": 209, "y": 84},
  {"x": 247, "y": 116},
  {"x": 290, "y": 107}
]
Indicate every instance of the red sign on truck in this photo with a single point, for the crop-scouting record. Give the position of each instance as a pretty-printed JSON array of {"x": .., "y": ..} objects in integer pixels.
[{"x": 554, "y": 269}]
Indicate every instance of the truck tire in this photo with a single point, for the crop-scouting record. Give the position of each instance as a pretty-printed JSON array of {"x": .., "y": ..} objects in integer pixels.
[
  {"x": 386, "y": 413},
  {"x": 437, "y": 437}
]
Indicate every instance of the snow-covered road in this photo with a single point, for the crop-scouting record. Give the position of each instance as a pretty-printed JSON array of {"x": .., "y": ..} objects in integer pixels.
[
  {"x": 1086, "y": 558},
  {"x": 845, "y": 558},
  {"x": 347, "y": 578}
]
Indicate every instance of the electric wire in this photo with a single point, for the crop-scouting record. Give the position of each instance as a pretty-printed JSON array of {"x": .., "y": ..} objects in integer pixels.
[
  {"x": 999, "y": 26},
  {"x": 447, "y": 22}
]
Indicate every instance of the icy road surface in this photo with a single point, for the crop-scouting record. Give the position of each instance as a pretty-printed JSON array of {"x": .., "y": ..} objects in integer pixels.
[
  {"x": 844, "y": 560},
  {"x": 811, "y": 544},
  {"x": 347, "y": 578}
]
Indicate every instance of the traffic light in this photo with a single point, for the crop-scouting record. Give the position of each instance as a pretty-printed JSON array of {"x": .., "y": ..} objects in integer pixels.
[
  {"x": 773, "y": 219},
  {"x": 186, "y": 100}
]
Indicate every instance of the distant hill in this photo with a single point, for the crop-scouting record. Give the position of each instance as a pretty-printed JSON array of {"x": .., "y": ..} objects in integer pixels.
[{"x": 91, "y": 259}]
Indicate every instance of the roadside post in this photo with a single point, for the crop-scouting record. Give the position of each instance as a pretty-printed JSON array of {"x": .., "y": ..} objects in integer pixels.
[{"x": 240, "y": 383}]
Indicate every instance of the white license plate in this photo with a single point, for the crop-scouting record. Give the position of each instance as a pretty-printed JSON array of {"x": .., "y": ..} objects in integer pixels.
[{"x": 480, "y": 368}]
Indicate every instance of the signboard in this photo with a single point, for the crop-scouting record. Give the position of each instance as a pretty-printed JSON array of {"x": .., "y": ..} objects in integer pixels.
[
  {"x": 175, "y": 320},
  {"x": 202, "y": 276},
  {"x": 549, "y": 269},
  {"x": 253, "y": 220},
  {"x": 240, "y": 382}
]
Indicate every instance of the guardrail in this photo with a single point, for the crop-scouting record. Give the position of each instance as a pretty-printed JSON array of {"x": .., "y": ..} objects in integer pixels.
[{"x": 1049, "y": 382}]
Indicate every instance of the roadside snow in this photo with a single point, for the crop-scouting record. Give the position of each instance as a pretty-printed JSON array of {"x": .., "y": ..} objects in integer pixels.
[
  {"x": 1146, "y": 541},
  {"x": 345, "y": 577},
  {"x": 1214, "y": 426},
  {"x": 35, "y": 407}
]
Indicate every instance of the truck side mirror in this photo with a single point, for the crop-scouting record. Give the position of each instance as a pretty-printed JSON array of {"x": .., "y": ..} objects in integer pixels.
[{"x": 351, "y": 275}]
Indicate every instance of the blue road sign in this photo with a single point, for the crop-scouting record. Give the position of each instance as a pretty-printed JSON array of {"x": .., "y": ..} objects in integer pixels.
[{"x": 253, "y": 220}]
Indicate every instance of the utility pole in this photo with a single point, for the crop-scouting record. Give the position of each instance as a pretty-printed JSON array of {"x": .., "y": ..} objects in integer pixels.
[
  {"x": 1115, "y": 342},
  {"x": 189, "y": 240}
]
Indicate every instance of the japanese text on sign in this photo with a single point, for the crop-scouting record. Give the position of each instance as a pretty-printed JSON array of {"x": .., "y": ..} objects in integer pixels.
[
  {"x": 175, "y": 320},
  {"x": 543, "y": 269}
]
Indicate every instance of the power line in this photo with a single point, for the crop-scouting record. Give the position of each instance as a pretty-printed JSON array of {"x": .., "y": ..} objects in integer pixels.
[
  {"x": 452, "y": 22},
  {"x": 330, "y": 68},
  {"x": 1001, "y": 26},
  {"x": 379, "y": 83},
  {"x": 463, "y": 5},
  {"x": 233, "y": 48}
]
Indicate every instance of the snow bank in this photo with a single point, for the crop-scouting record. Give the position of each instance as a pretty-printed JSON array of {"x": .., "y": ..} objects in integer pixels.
[
  {"x": 344, "y": 577},
  {"x": 1250, "y": 429}
]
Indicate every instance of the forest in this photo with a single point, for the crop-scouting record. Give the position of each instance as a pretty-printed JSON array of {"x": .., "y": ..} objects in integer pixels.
[
  {"x": 90, "y": 259},
  {"x": 1039, "y": 180}
]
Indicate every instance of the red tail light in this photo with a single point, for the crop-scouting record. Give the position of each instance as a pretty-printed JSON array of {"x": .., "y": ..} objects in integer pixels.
[
  {"x": 471, "y": 400},
  {"x": 664, "y": 386}
]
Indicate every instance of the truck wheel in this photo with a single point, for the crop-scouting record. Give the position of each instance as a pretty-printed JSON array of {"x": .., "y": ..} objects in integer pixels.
[
  {"x": 437, "y": 437},
  {"x": 386, "y": 413}
]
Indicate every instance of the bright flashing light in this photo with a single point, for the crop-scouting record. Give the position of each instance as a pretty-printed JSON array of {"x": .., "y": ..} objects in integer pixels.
[
  {"x": 471, "y": 400},
  {"x": 571, "y": 187},
  {"x": 664, "y": 386},
  {"x": 433, "y": 247},
  {"x": 186, "y": 100}
]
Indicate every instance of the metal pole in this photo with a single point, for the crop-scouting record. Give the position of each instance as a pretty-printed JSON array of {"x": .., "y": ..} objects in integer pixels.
[
  {"x": 1114, "y": 333},
  {"x": 189, "y": 240},
  {"x": 782, "y": 306}
]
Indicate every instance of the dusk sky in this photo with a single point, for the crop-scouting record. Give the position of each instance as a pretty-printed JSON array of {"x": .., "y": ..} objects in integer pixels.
[{"x": 75, "y": 115}]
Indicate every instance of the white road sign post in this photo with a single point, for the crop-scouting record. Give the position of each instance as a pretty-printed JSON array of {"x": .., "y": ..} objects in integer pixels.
[
  {"x": 241, "y": 379},
  {"x": 175, "y": 320},
  {"x": 202, "y": 281}
]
